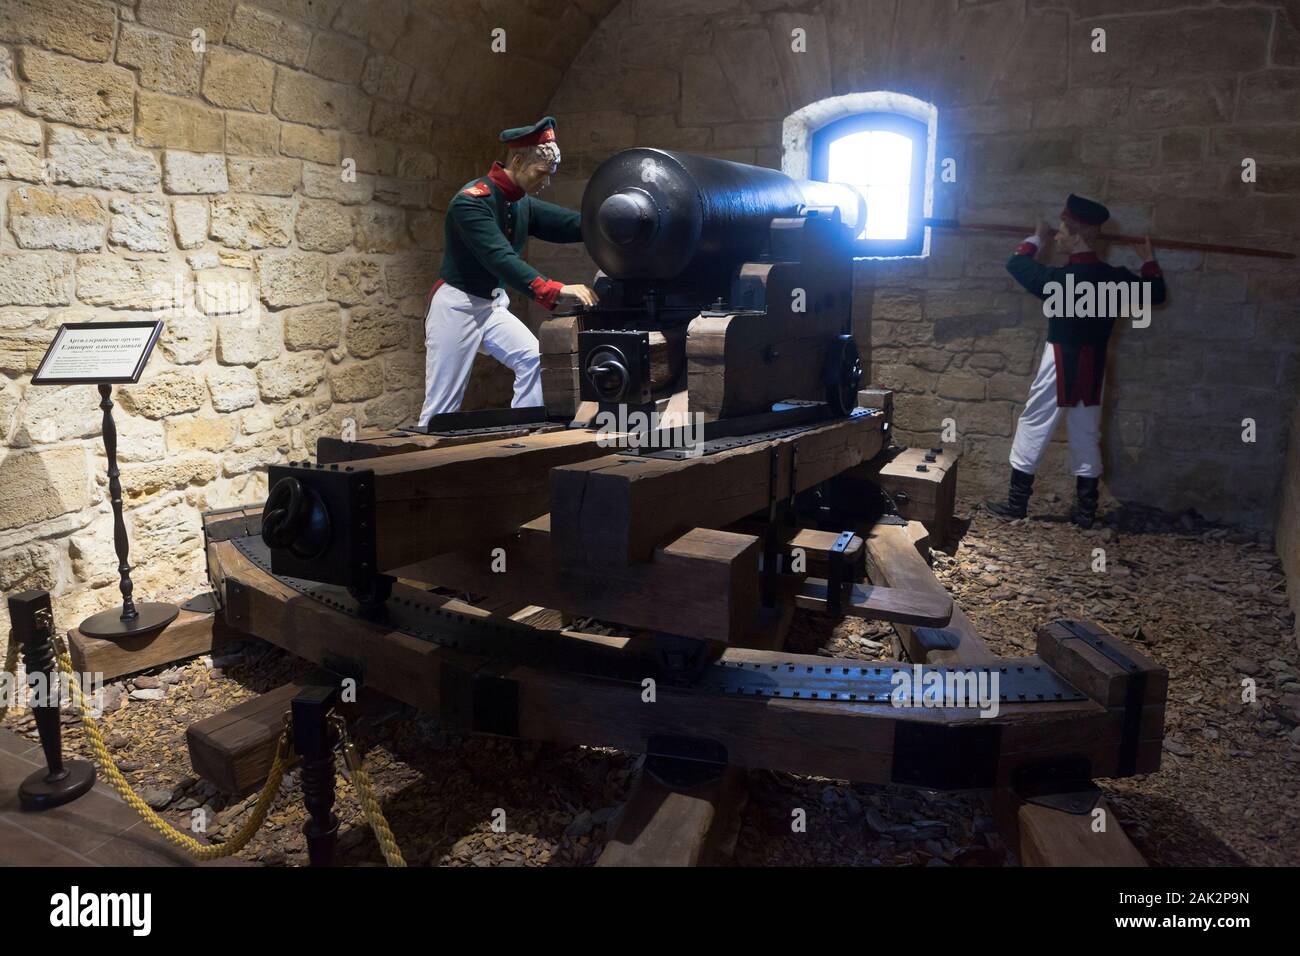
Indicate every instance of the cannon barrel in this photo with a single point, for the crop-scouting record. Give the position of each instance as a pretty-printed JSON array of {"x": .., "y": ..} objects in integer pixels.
[{"x": 655, "y": 214}]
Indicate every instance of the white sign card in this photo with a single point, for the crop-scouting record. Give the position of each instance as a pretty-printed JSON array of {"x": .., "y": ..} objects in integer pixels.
[{"x": 97, "y": 353}]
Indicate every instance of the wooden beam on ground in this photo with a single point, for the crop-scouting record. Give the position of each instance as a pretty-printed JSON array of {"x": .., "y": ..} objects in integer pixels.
[
  {"x": 1050, "y": 837},
  {"x": 660, "y": 826},
  {"x": 190, "y": 634},
  {"x": 233, "y": 750},
  {"x": 703, "y": 584},
  {"x": 893, "y": 561},
  {"x": 615, "y": 510}
]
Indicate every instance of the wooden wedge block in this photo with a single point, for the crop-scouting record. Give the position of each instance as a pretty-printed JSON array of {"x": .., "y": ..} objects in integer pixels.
[
  {"x": 876, "y": 603},
  {"x": 703, "y": 584}
]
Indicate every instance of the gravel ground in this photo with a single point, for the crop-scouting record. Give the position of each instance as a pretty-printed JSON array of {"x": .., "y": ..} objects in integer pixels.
[{"x": 1209, "y": 603}]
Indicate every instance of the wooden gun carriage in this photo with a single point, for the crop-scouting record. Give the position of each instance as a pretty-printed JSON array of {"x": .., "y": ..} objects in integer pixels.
[{"x": 700, "y": 555}]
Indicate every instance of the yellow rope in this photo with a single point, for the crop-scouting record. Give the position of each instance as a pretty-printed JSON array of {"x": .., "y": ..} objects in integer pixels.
[
  {"x": 202, "y": 851},
  {"x": 178, "y": 838},
  {"x": 366, "y": 797}
]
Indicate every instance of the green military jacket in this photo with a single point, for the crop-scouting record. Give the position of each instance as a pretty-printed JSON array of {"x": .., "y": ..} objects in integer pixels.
[{"x": 488, "y": 222}]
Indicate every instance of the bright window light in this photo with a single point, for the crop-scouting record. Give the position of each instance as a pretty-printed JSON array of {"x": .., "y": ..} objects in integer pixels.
[{"x": 880, "y": 163}]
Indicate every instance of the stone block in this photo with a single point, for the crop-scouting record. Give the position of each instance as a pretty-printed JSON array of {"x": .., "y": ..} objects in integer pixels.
[
  {"x": 31, "y": 278},
  {"x": 323, "y": 226},
  {"x": 372, "y": 330},
  {"x": 175, "y": 123},
  {"x": 83, "y": 30},
  {"x": 248, "y": 134},
  {"x": 251, "y": 222},
  {"x": 47, "y": 219},
  {"x": 302, "y": 98},
  {"x": 42, "y": 485},
  {"x": 164, "y": 63},
  {"x": 232, "y": 388},
  {"x": 124, "y": 284},
  {"x": 140, "y": 225},
  {"x": 290, "y": 377},
  {"x": 249, "y": 338},
  {"x": 291, "y": 278},
  {"x": 64, "y": 90},
  {"x": 356, "y": 382},
  {"x": 194, "y": 173},
  {"x": 169, "y": 392},
  {"x": 309, "y": 143},
  {"x": 352, "y": 281},
  {"x": 259, "y": 31},
  {"x": 264, "y": 176},
  {"x": 101, "y": 161},
  {"x": 238, "y": 81},
  {"x": 190, "y": 218}
]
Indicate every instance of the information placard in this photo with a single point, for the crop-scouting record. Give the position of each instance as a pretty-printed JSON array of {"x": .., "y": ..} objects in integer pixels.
[{"x": 98, "y": 353}]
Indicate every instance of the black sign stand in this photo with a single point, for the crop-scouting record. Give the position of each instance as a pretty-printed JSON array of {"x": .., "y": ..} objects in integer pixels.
[{"x": 132, "y": 619}]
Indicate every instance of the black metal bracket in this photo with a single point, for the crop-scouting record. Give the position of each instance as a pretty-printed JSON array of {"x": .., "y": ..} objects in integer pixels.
[
  {"x": 479, "y": 700},
  {"x": 779, "y": 515},
  {"x": 684, "y": 763},
  {"x": 1134, "y": 692},
  {"x": 836, "y": 576},
  {"x": 483, "y": 420},
  {"x": 1062, "y": 783},
  {"x": 340, "y": 526},
  {"x": 937, "y": 757}
]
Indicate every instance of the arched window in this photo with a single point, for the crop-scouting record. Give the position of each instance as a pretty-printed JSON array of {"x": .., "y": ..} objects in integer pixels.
[{"x": 881, "y": 142}]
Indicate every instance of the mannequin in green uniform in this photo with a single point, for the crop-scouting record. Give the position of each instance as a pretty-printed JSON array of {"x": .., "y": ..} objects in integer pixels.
[{"x": 488, "y": 222}]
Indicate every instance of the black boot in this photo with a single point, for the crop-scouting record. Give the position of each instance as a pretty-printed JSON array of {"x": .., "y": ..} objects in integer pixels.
[
  {"x": 1017, "y": 503},
  {"x": 1087, "y": 491}
]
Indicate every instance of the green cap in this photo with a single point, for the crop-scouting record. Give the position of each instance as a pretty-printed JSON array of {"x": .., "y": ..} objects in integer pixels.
[{"x": 543, "y": 131}]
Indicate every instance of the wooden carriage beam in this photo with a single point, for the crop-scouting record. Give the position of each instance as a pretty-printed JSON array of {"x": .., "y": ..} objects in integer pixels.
[
  {"x": 615, "y": 510},
  {"x": 874, "y": 743},
  {"x": 375, "y": 514},
  {"x": 1041, "y": 835}
]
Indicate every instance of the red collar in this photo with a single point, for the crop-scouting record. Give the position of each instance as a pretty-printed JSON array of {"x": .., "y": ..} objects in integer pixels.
[
  {"x": 1083, "y": 257},
  {"x": 507, "y": 185}
]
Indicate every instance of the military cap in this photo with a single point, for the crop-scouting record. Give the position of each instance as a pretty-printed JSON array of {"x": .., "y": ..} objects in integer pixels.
[
  {"x": 543, "y": 131},
  {"x": 1085, "y": 211}
]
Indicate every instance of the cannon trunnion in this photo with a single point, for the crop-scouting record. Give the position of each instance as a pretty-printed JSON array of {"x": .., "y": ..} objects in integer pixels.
[{"x": 724, "y": 288}]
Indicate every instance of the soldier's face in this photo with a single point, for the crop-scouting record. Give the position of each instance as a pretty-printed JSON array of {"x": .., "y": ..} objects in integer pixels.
[{"x": 532, "y": 178}]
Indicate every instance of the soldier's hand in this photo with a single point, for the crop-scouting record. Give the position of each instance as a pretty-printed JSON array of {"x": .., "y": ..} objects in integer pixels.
[
  {"x": 580, "y": 292},
  {"x": 1148, "y": 254},
  {"x": 1045, "y": 231}
]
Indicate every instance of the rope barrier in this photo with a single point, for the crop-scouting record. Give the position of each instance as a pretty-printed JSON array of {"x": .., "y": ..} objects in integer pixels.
[{"x": 183, "y": 841}]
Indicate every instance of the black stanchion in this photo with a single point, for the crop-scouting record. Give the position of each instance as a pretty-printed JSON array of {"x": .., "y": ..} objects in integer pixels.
[
  {"x": 32, "y": 622},
  {"x": 314, "y": 739}
]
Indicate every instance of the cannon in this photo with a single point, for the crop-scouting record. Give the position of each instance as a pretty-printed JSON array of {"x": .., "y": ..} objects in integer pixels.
[
  {"x": 725, "y": 295},
  {"x": 724, "y": 289}
]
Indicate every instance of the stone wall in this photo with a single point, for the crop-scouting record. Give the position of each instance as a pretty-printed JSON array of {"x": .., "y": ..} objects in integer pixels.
[
  {"x": 1157, "y": 127},
  {"x": 145, "y": 173}
]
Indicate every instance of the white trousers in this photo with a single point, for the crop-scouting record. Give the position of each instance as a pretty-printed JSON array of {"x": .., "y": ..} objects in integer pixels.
[
  {"x": 1038, "y": 420},
  {"x": 458, "y": 327}
]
